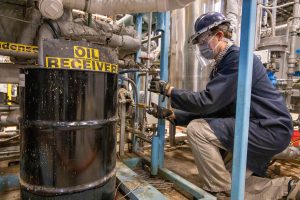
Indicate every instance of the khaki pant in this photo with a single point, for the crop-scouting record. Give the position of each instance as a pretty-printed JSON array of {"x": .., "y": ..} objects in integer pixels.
[{"x": 213, "y": 172}]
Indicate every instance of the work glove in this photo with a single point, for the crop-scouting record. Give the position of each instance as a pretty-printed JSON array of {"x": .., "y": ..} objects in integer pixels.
[
  {"x": 161, "y": 112},
  {"x": 159, "y": 86}
]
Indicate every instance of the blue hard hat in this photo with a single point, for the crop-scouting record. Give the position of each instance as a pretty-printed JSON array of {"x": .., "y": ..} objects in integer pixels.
[{"x": 206, "y": 22}]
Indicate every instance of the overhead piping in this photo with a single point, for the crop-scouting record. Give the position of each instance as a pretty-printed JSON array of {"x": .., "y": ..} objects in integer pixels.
[{"x": 108, "y": 7}]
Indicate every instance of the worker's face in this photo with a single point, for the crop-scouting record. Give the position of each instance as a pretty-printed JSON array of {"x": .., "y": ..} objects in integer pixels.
[{"x": 209, "y": 45}]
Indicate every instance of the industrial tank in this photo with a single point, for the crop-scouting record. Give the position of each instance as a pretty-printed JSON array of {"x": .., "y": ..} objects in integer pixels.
[{"x": 68, "y": 134}]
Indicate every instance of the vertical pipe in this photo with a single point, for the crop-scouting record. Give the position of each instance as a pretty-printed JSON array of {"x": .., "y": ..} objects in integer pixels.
[
  {"x": 154, "y": 155},
  {"x": 292, "y": 54},
  {"x": 172, "y": 133},
  {"x": 122, "y": 129},
  {"x": 148, "y": 67},
  {"x": 90, "y": 18},
  {"x": 274, "y": 17},
  {"x": 258, "y": 23},
  {"x": 243, "y": 99},
  {"x": 164, "y": 19},
  {"x": 139, "y": 28},
  {"x": 9, "y": 94},
  {"x": 139, "y": 23}
]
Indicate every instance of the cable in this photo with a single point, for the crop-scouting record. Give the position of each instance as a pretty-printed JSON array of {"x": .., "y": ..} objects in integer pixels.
[
  {"x": 280, "y": 6},
  {"x": 21, "y": 20}
]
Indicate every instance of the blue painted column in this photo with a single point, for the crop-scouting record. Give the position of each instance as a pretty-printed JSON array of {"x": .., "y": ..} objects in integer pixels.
[
  {"x": 243, "y": 99},
  {"x": 163, "y": 25}
]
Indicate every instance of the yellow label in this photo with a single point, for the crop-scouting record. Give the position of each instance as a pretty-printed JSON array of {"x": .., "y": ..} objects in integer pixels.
[
  {"x": 18, "y": 47},
  {"x": 83, "y": 64},
  {"x": 86, "y": 53},
  {"x": 9, "y": 94}
]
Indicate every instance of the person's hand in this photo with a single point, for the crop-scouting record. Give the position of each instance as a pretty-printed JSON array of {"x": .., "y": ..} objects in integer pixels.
[
  {"x": 160, "y": 86},
  {"x": 161, "y": 112}
]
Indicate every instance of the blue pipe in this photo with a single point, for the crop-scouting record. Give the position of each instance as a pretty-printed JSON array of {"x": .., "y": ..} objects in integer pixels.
[
  {"x": 163, "y": 21},
  {"x": 243, "y": 99},
  {"x": 154, "y": 155}
]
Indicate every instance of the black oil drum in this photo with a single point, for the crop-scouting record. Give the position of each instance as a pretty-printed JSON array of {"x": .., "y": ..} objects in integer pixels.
[{"x": 68, "y": 134}]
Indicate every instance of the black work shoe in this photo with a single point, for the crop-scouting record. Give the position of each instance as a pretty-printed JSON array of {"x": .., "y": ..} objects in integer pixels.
[{"x": 294, "y": 190}]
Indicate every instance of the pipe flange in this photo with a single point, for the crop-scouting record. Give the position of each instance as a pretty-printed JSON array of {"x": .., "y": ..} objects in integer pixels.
[{"x": 52, "y": 9}]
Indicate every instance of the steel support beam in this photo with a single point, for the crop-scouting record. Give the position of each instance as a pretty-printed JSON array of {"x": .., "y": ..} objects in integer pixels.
[{"x": 243, "y": 99}]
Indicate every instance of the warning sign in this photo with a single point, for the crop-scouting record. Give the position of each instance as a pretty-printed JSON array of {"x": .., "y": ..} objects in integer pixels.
[{"x": 78, "y": 55}]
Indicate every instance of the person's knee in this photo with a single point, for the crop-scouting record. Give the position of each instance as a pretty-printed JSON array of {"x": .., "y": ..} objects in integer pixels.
[{"x": 195, "y": 127}]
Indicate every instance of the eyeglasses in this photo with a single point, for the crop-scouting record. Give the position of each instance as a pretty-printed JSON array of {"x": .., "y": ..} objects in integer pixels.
[{"x": 202, "y": 39}]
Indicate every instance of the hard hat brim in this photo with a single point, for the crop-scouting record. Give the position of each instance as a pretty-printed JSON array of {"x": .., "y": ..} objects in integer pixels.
[{"x": 192, "y": 39}]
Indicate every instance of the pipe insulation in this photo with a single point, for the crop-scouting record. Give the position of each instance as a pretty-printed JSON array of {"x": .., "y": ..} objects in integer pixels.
[
  {"x": 76, "y": 31},
  {"x": 109, "y": 7},
  {"x": 232, "y": 14}
]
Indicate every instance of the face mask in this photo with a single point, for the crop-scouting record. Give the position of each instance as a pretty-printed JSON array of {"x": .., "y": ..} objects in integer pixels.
[{"x": 206, "y": 51}]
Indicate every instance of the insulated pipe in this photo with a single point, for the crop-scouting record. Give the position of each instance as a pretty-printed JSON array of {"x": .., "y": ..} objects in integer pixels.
[
  {"x": 274, "y": 16},
  {"x": 232, "y": 13},
  {"x": 29, "y": 30},
  {"x": 110, "y": 7},
  {"x": 258, "y": 23}
]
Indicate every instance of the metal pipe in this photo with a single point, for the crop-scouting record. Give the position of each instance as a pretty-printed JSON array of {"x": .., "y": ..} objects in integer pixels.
[
  {"x": 106, "y": 7},
  {"x": 274, "y": 16},
  {"x": 164, "y": 20},
  {"x": 90, "y": 19},
  {"x": 136, "y": 97},
  {"x": 9, "y": 108},
  {"x": 272, "y": 22},
  {"x": 125, "y": 20},
  {"x": 152, "y": 38},
  {"x": 122, "y": 129},
  {"x": 148, "y": 67},
  {"x": 243, "y": 100},
  {"x": 137, "y": 133},
  {"x": 139, "y": 26},
  {"x": 280, "y": 6},
  {"x": 154, "y": 155},
  {"x": 292, "y": 59},
  {"x": 258, "y": 24},
  {"x": 172, "y": 133}
]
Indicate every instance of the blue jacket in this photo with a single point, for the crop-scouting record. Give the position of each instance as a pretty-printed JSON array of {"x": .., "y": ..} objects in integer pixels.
[{"x": 270, "y": 127}]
